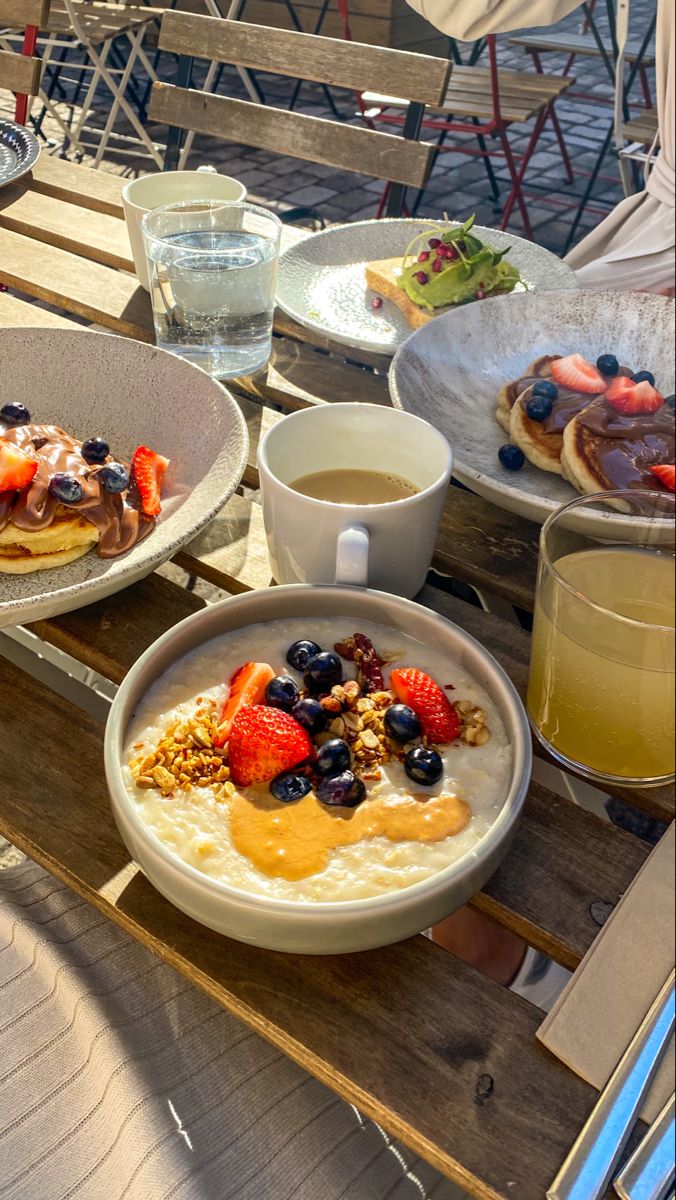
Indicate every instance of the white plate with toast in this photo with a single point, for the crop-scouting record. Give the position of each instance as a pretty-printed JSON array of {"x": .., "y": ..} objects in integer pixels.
[
  {"x": 322, "y": 280},
  {"x": 452, "y": 371}
]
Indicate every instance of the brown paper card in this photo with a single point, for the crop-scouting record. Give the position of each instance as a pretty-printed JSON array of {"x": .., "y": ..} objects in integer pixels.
[{"x": 601, "y": 1008}]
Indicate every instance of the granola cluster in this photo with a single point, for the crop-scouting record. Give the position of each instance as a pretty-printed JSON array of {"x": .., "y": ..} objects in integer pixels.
[{"x": 186, "y": 757}]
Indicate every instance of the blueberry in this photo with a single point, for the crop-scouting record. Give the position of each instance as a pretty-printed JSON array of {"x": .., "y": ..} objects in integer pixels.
[
  {"x": 670, "y": 402},
  {"x": 95, "y": 450},
  {"x": 345, "y": 790},
  {"x": 607, "y": 364},
  {"x": 113, "y": 477},
  {"x": 15, "y": 414},
  {"x": 511, "y": 457},
  {"x": 282, "y": 692},
  {"x": 288, "y": 787},
  {"x": 65, "y": 488},
  {"x": 423, "y": 766},
  {"x": 539, "y": 408},
  {"x": 401, "y": 723},
  {"x": 311, "y": 715},
  {"x": 544, "y": 387},
  {"x": 323, "y": 671},
  {"x": 333, "y": 757},
  {"x": 648, "y": 376},
  {"x": 299, "y": 655}
]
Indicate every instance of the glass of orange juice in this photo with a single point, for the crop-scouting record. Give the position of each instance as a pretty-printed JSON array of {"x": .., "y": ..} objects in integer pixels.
[{"x": 601, "y": 686}]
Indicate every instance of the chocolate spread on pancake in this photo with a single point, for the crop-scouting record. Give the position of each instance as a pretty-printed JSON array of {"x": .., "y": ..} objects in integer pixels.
[
  {"x": 626, "y": 447},
  {"x": 568, "y": 402},
  {"x": 119, "y": 521}
]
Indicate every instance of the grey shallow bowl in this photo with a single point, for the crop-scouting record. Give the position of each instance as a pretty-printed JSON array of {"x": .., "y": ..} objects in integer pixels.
[
  {"x": 450, "y": 373},
  {"x": 96, "y": 384},
  {"x": 322, "y": 285},
  {"x": 303, "y": 927}
]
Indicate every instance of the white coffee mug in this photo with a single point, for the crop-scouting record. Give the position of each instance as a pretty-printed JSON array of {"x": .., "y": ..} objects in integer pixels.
[
  {"x": 385, "y": 546},
  {"x": 141, "y": 196}
]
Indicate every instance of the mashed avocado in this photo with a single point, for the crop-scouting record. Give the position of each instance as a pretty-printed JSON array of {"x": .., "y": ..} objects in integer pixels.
[{"x": 452, "y": 267}]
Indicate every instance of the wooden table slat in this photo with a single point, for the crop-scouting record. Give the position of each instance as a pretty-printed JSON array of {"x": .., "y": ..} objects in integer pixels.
[
  {"x": 96, "y": 190},
  {"x": 93, "y": 235}
]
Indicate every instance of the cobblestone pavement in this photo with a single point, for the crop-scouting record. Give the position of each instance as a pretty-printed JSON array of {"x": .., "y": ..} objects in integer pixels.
[{"x": 458, "y": 184}]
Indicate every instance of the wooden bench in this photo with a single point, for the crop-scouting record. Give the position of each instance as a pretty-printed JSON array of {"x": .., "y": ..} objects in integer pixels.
[{"x": 574, "y": 44}]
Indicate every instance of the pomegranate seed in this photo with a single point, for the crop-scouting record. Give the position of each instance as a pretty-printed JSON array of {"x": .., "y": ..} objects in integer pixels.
[
  {"x": 438, "y": 265},
  {"x": 452, "y": 253},
  {"x": 423, "y": 256},
  {"x": 480, "y": 295},
  {"x": 433, "y": 243},
  {"x": 422, "y": 277},
  {"x": 377, "y": 302}
]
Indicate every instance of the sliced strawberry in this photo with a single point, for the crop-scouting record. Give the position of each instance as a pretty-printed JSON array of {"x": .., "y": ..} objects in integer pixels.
[
  {"x": 576, "y": 373},
  {"x": 17, "y": 468},
  {"x": 437, "y": 715},
  {"x": 263, "y": 742},
  {"x": 247, "y": 686},
  {"x": 631, "y": 398},
  {"x": 147, "y": 472},
  {"x": 666, "y": 473}
]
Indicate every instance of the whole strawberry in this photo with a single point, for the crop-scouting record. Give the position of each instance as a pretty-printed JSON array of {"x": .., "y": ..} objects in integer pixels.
[
  {"x": 431, "y": 705},
  {"x": 263, "y": 743}
]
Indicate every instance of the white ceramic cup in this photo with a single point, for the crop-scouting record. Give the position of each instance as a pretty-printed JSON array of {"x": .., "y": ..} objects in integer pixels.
[
  {"x": 385, "y": 546},
  {"x": 141, "y": 196}
]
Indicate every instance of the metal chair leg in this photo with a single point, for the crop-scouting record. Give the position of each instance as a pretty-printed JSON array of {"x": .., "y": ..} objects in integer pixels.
[{"x": 516, "y": 195}]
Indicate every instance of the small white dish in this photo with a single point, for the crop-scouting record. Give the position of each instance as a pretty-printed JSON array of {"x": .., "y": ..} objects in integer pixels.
[
  {"x": 322, "y": 284},
  {"x": 95, "y": 384},
  {"x": 450, "y": 372},
  {"x": 308, "y": 927}
]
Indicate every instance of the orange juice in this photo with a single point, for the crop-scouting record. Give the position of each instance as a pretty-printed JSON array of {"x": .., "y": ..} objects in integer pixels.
[{"x": 601, "y": 690}]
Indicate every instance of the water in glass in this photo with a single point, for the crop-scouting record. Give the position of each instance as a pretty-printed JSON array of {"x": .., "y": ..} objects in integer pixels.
[{"x": 215, "y": 309}]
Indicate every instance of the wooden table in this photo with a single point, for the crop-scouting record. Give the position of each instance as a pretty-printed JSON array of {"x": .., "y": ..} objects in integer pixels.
[{"x": 439, "y": 1055}]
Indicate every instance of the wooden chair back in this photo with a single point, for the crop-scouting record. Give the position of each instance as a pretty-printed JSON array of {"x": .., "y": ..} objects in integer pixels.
[
  {"x": 21, "y": 73},
  {"x": 418, "y": 78}
]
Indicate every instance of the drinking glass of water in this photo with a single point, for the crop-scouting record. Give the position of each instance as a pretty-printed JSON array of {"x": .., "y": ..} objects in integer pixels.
[{"x": 213, "y": 275}]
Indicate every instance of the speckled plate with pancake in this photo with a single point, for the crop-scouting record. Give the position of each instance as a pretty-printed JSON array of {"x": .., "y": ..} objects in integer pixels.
[
  {"x": 98, "y": 384},
  {"x": 450, "y": 373}
]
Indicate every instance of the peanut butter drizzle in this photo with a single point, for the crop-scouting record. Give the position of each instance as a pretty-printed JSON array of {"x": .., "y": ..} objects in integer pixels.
[{"x": 293, "y": 841}]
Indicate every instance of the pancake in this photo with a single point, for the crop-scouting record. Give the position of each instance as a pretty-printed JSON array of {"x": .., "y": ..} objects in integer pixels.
[
  {"x": 67, "y": 538},
  {"x": 540, "y": 368},
  {"x": 541, "y": 441},
  {"x": 605, "y": 450}
]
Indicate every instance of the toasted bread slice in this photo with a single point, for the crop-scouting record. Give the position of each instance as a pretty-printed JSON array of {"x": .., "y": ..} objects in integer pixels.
[{"x": 381, "y": 277}]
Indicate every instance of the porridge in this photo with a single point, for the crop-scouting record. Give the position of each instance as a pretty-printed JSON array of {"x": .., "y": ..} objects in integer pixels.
[{"x": 338, "y": 765}]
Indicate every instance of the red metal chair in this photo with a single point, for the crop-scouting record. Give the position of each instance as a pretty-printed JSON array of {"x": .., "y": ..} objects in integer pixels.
[{"x": 22, "y": 77}]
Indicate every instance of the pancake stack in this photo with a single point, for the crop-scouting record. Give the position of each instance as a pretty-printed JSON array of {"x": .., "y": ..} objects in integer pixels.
[
  {"x": 604, "y": 431},
  {"x": 60, "y": 498}
]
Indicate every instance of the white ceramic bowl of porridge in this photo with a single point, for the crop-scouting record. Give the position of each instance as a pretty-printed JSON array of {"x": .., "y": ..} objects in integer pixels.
[{"x": 362, "y": 891}]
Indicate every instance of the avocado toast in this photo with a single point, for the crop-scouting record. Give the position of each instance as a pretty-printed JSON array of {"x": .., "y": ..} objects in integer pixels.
[{"x": 442, "y": 268}]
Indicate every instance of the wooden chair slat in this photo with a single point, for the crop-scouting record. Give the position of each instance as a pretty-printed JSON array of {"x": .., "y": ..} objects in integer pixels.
[
  {"x": 305, "y": 55},
  {"x": 19, "y": 73},
  {"x": 642, "y": 128},
  {"x": 15, "y": 14},
  {"x": 577, "y": 43},
  {"x": 63, "y": 180},
  {"x": 311, "y": 138},
  {"x": 448, "y": 1026},
  {"x": 99, "y": 237},
  {"x": 87, "y": 288}
]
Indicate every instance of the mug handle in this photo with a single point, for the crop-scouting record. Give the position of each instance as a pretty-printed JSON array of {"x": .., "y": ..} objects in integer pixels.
[{"x": 352, "y": 556}]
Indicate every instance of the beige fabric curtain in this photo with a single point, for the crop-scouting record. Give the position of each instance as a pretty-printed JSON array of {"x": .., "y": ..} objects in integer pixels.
[{"x": 634, "y": 246}]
